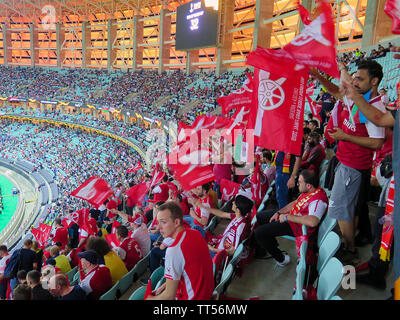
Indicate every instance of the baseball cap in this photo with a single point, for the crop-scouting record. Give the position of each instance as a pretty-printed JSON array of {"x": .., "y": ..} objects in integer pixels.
[{"x": 89, "y": 255}]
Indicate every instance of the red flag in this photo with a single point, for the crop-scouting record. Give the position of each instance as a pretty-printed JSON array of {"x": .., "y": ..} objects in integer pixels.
[
  {"x": 228, "y": 189},
  {"x": 138, "y": 192},
  {"x": 315, "y": 46},
  {"x": 304, "y": 15},
  {"x": 310, "y": 89},
  {"x": 112, "y": 240},
  {"x": 94, "y": 190},
  {"x": 392, "y": 9},
  {"x": 70, "y": 219},
  {"x": 313, "y": 107},
  {"x": 42, "y": 234},
  {"x": 149, "y": 290},
  {"x": 192, "y": 169},
  {"x": 278, "y": 108},
  {"x": 135, "y": 168},
  {"x": 158, "y": 175},
  {"x": 238, "y": 98},
  {"x": 114, "y": 226},
  {"x": 256, "y": 183}
]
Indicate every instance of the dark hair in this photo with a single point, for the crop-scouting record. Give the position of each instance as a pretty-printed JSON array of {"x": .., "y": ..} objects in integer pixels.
[
  {"x": 159, "y": 203},
  {"x": 319, "y": 131},
  {"x": 22, "y": 292},
  {"x": 28, "y": 242},
  {"x": 3, "y": 248},
  {"x": 314, "y": 135},
  {"x": 57, "y": 220},
  {"x": 374, "y": 68},
  {"x": 314, "y": 122},
  {"x": 34, "y": 276},
  {"x": 310, "y": 177},
  {"x": 165, "y": 178},
  {"x": 306, "y": 130},
  {"x": 206, "y": 187},
  {"x": 243, "y": 204},
  {"x": 306, "y": 121},
  {"x": 267, "y": 154},
  {"x": 21, "y": 274},
  {"x": 122, "y": 231},
  {"x": 99, "y": 245},
  {"x": 174, "y": 208}
]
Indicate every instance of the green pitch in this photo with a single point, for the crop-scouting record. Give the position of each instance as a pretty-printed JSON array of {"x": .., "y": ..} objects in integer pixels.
[{"x": 9, "y": 203}]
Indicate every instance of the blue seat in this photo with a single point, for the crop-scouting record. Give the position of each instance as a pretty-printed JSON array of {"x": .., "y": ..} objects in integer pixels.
[
  {"x": 336, "y": 298},
  {"x": 330, "y": 279},
  {"x": 140, "y": 268},
  {"x": 75, "y": 280},
  {"x": 235, "y": 258},
  {"x": 156, "y": 276},
  {"x": 71, "y": 273},
  {"x": 301, "y": 272},
  {"x": 111, "y": 294},
  {"x": 138, "y": 294},
  {"x": 325, "y": 227},
  {"x": 327, "y": 250},
  {"x": 223, "y": 284},
  {"x": 212, "y": 224},
  {"x": 125, "y": 282}
]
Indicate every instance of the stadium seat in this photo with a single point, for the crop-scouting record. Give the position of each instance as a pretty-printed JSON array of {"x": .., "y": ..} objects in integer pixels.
[
  {"x": 336, "y": 298},
  {"x": 225, "y": 280},
  {"x": 212, "y": 224},
  {"x": 140, "y": 268},
  {"x": 325, "y": 227},
  {"x": 70, "y": 274},
  {"x": 138, "y": 294},
  {"x": 156, "y": 276},
  {"x": 327, "y": 249},
  {"x": 301, "y": 272},
  {"x": 235, "y": 258},
  {"x": 125, "y": 282},
  {"x": 111, "y": 294},
  {"x": 75, "y": 279},
  {"x": 330, "y": 279}
]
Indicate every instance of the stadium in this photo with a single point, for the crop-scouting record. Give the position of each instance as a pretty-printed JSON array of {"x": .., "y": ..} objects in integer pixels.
[{"x": 115, "y": 114}]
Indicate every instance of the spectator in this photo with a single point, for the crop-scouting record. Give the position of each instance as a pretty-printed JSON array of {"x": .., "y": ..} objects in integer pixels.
[
  {"x": 22, "y": 292},
  {"x": 188, "y": 255},
  {"x": 38, "y": 292},
  {"x": 28, "y": 260},
  {"x": 128, "y": 250},
  {"x": 308, "y": 210},
  {"x": 96, "y": 279},
  {"x": 60, "y": 260},
  {"x": 314, "y": 153},
  {"x": 141, "y": 235},
  {"x": 5, "y": 257},
  {"x": 107, "y": 257},
  {"x": 60, "y": 233},
  {"x": 59, "y": 287}
]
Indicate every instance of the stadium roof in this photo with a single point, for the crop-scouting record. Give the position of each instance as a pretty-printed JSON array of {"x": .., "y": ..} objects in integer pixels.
[{"x": 35, "y": 10}]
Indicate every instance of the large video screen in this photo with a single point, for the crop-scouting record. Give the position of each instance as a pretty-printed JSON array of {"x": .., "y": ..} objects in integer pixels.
[{"x": 196, "y": 25}]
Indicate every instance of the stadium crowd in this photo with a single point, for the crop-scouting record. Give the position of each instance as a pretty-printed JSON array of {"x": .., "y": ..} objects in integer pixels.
[{"x": 170, "y": 217}]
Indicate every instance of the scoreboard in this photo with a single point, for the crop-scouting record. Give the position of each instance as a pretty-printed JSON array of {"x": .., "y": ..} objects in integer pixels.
[{"x": 196, "y": 25}]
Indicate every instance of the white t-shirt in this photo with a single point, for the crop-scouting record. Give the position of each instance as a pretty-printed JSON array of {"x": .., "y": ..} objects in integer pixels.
[
  {"x": 141, "y": 235},
  {"x": 3, "y": 263}
]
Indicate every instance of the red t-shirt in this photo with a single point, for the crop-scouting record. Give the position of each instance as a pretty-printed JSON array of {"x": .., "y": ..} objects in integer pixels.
[
  {"x": 351, "y": 154},
  {"x": 163, "y": 193},
  {"x": 130, "y": 252},
  {"x": 61, "y": 235},
  {"x": 97, "y": 282},
  {"x": 207, "y": 202},
  {"x": 188, "y": 260}
]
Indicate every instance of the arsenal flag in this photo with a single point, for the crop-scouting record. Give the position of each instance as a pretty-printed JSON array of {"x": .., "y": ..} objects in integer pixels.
[
  {"x": 157, "y": 177},
  {"x": 255, "y": 181},
  {"x": 138, "y": 192},
  {"x": 94, "y": 190},
  {"x": 70, "y": 219},
  {"x": 304, "y": 15},
  {"x": 278, "y": 108},
  {"x": 238, "y": 98},
  {"x": 228, "y": 189},
  {"x": 42, "y": 234},
  {"x": 315, "y": 46},
  {"x": 112, "y": 240},
  {"x": 135, "y": 168},
  {"x": 313, "y": 107},
  {"x": 192, "y": 169},
  {"x": 114, "y": 226},
  {"x": 392, "y": 9}
]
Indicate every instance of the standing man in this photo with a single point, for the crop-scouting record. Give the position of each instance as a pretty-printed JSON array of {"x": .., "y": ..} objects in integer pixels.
[
  {"x": 188, "y": 264},
  {"x": 357, "y": 138},
  {"x": 5, "y": 257}
]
